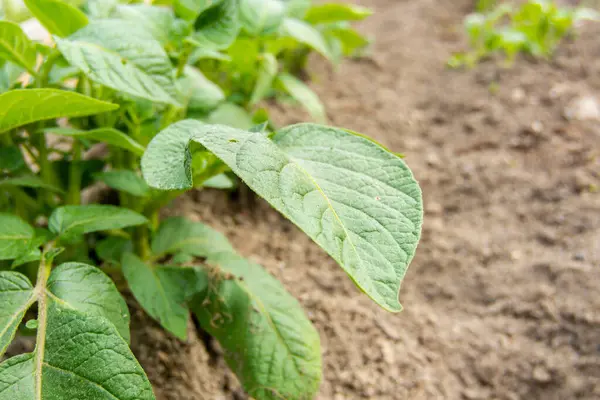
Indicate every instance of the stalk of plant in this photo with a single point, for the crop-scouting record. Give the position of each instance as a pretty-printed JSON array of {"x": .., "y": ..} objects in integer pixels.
[{"x": 150, "y": 102}]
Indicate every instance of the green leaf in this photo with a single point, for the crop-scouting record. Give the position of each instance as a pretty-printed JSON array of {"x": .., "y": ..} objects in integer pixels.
[
  {"x": 34, "y": 255},
  {"x": 109, "y": 136},
  {"x": 353, "y": 197},
  {"x": 232, "y": 115},
  {"x": 351, "y": 40},
  {"x": 31, "y": 181},
  {"x": 157, "y": 20},
  {"x": 100, "y": 8},
  {"x": 220, "y": 181},
  {"x": 332, "y": 12},
  {"x": 266, "y": 75},
  {"x": 59, "y": 17},
  {"x": 83, "y": 357},
  {"x": 269, "y": 342},
  {"x": 306, "y": 34},
  {"x": 161, "y": 291},
  {"x": 89, "y": 290},
  {"x": 201, "y": 53},
  {"x": 125, "y": 181},
  {"x": 180, "y": 235},
  {"x": 112, "y": 248},
  {"x": 303, "y": 95},
  {"x": 9, "y": 75},
  {"x": 77, "y": 220},
  {"x": 261, "y": 16},
  {"x": 138, "y": 66},
  {"x": 15, "y": 236},
  {"x": 24, "y": 106},
  {"x": 218, "y": 26},
  {"x": 16, "y": 296},
  {"x": 11, "y": 159},
  {"x": 189, "y": 9},
  {"x": 297, "y": 8},
  {"x": 200, "y": 93},
  {"x": 16, "y": 47}
]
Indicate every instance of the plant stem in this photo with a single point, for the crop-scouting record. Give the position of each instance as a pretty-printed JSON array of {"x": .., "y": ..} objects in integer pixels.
[
  {"x": 74, "y": 191},
  {"x": 40, "y": 288},
  {"x": 141, "y": 241}
]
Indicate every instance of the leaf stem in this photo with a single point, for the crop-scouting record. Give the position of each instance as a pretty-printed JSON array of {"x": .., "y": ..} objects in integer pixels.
[{"x": 74, "y": 191}]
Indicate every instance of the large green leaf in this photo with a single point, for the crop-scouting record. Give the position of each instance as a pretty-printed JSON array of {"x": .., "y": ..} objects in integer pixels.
[
  {"x": 303, "y": 95},
  {"x": 305, "y": 33},
  {"x": 15, "y": 46},
  {"x": 15, "y": 236},
  {"x": 333, "y": 12},
  {"x": 106, "y": 135},
  {"x": 77, "y": 220},
  {"x": 125, "y": 181},
  {"x": 24, "y": 106},
  {"x": 162, "y": 291},
  {"x": 218, "y": 26},
  {"x": 98, "y": 296},
  {"x": 296, "y": 8},
  {"x": 157, "y": 20},
  {"x": 123, "y": 56},
  {"x": 16, "y": 296},
  {"x": 82, "y": 357},
  {"x": 180, "y": 235},
  {"x": 261, "y": 16},
  {"x": 199, "y": 93},
  {"x": 266, "y": 75},
  {"x": 32, "y": 181},
  {"x": 59, "y": 17},
  {"x": 269, "y": 342},
  {"x": 357, "y": 200}
]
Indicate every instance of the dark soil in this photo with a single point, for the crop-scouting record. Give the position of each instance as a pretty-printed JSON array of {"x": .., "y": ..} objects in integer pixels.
[{"x": 503, "y": 298}]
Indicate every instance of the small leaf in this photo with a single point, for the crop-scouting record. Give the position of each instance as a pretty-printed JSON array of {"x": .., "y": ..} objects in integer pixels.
[
  {"x": 351, "y": 40},
  {"x": 16, "y": 296},
  {"x": 32, "y": 181},
  {"x": 180, "y": 235},
  {"x": 269, "y": 342},
  {"x": 332, "y": 12},
  {"x": 33, "y": 255},
  {"x": 125, "y": 181},
  {"x": 306, "y": 34},
  {"x": 32, "y": 324},
  {"x": 58, "y": 17},
  {"x": 15, "y": 236},
  {"x": 161, "y": 291},
  {"x": 24, "y": 106},
  {"x": 232, "y": 115},
  {"x": 261, "y": 16},
  {"x": 297, "y": 8},
  {"x": 157, "y": 20},
  {"x": 353, "y": 197},
  {"x": 137, "y": 66},
  {"x": 11, "y": 159},
  {"x": 220, "y": 181},
  {"x": 16, "y": 47},
  {"x": 189, "y": 9},
  {"x": 303, "y": 95},
  {"x": 89, "y": 290},
  {"x": 106, "y": 135},
  {"x": 83, "y": 357},
  {"x": 200, "y": 93},
  {"x": 218, "y": 26},
  {"x": 77, "y": 220},
  {"x": 266, "y": 75}
]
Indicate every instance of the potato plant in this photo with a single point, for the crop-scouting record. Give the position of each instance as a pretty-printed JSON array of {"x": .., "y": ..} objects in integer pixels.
[
  {"x": 121, "y": 96},
  {"x": 533, "y": 27}
]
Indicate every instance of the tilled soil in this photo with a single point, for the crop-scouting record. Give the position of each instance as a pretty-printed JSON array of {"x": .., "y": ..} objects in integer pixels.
[{"x": 503, "y": 298}]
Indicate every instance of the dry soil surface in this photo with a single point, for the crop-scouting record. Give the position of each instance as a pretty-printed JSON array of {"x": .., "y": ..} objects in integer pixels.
[{"x": 503, "y": 298}]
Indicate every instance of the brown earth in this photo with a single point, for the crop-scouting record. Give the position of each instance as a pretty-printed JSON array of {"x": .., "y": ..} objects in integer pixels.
[{"x": 503, "y": 298}]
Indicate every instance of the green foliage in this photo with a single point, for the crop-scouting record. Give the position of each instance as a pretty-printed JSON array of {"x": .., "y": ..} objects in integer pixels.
[
  {"x": 535, "y": 27},
  {"x": 141, "y": 103}
]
